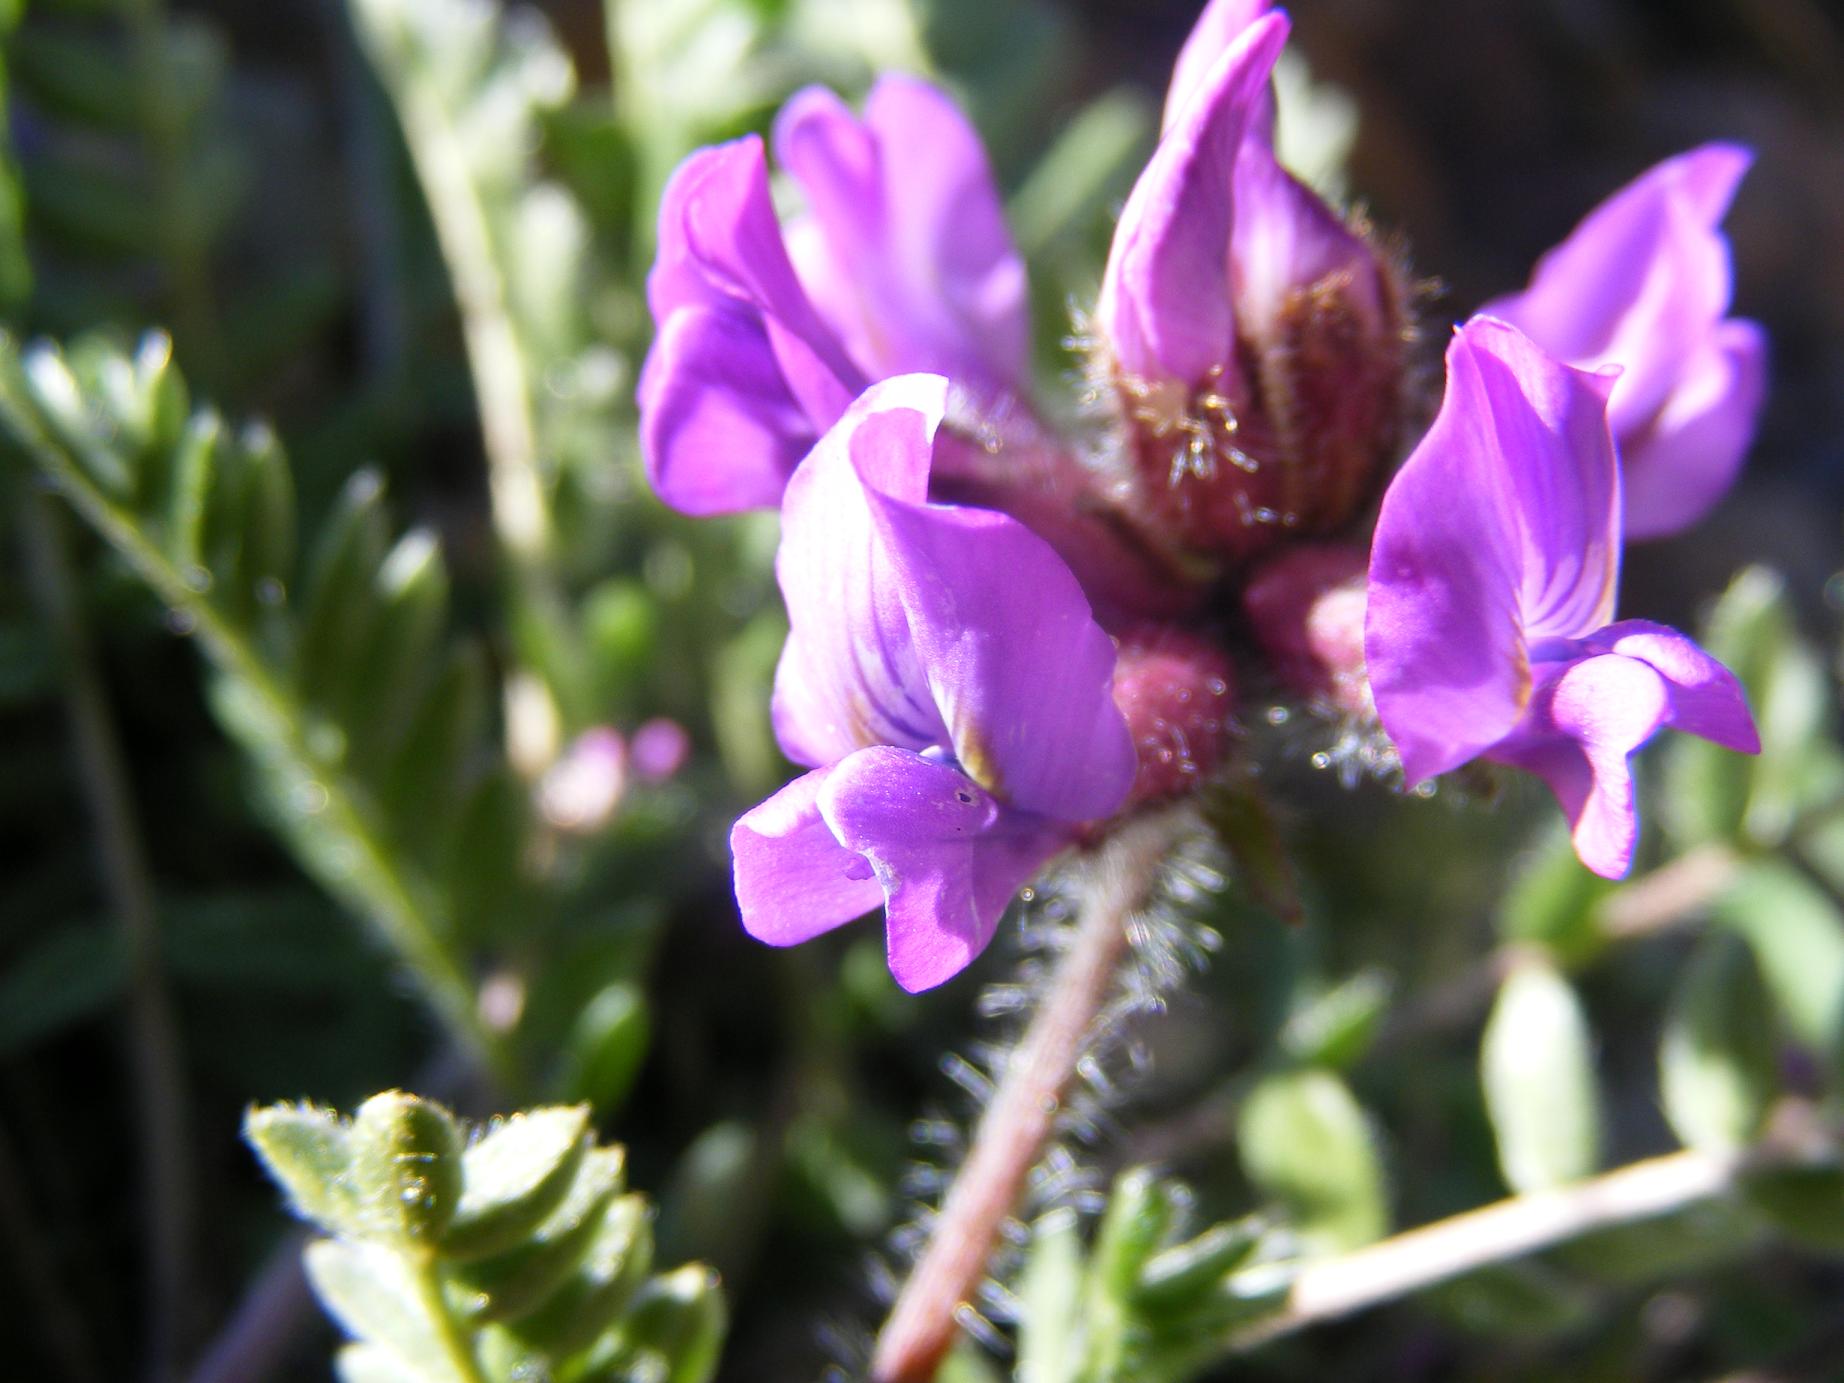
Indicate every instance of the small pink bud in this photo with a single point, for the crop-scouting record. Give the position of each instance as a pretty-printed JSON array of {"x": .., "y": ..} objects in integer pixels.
[
  {"x": 1307, "y": 609},
  {"x": 659, "y": 749},
  {"x": 579, "y": 793},
  {"x": 1177, "y": 694}
]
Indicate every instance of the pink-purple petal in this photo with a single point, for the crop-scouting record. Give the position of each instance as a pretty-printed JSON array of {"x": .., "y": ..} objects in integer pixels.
[
  {"x": 948, "y": 857},
  {"x": 1165, "y": 296},
  {"x": 1021, "y": 672},
  {"x": 719, "y": 431},
  {"x": 1643, "y": 283},
  {"x": 1585, "y": 726},
  {"x": 722, "y": 275},
  {"x": 1219, "y": 26},
  {"x": 1552, "y": 457},
  {"x": 1706, "y": 699},
  {"x": 793, "y": 878},
  {"x": 905, "y": 249},
  {"x": 1488, "y": 538},
  {"x": 1685, "y": 460},
  {"x": 1287, "y": 239},
  {"x": 849, "y": 674}
]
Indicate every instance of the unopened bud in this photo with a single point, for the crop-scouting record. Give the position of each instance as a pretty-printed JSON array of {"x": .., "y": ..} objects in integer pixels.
[
  {"x": 579, "y": 793},
  {"x": 1307, "y": 610},
  {"x": 1254, "y": 338},
  {"x": 659, "y": 749},
  {"x": 1176, "y": 692}
]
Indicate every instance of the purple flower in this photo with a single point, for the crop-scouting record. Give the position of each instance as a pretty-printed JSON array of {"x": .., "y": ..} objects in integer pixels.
[
  {"x": 903, "y": 245},
  {"x": 1644, "y": 282},
  {"x": 945, "y": 679},
  {"x": 901, "y": 262},
  {"x": 1491, "y": 591},
  {"x": 1216, "y": 29},
  {"x": 1256, "y": 338}
]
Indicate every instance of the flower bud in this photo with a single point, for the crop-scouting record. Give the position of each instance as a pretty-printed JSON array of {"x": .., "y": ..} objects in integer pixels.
[
  {"x": 1254, "y": 340},
  {"x": 1307, "y": 610},
  {"x": 580, "y": 792},
  {"x": 1177, "y": 694}
]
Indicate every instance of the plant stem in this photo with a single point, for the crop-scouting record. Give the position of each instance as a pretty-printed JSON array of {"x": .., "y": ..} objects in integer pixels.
[
  {"x": 59, "y": 1320},
  {"x": 1022, "y": 1116},
  {"x": 502, "y": 378},
  {"x": 396, "y": 900},
  {"x": 459, "y": 1354},
  {"x": 158, "y": 1070},
  {"x": 502, "y": 373},
  {"x": 1497, "y": 1233}
]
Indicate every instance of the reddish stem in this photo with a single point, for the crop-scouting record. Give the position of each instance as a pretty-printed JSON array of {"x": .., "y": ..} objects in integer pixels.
[{"x": 1022, "y": 1116}]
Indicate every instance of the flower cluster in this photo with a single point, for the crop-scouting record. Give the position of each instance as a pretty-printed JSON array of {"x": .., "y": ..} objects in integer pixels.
[{"x": 1002, "y": 639}]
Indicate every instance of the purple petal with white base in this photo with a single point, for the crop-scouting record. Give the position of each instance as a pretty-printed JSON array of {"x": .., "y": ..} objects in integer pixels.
[
  {"x": 1644, "y": 282},
  {"x": 945, "y": 677},
  {"x": 904, "y": 246},
  {"x": 1492, "y": 579}
]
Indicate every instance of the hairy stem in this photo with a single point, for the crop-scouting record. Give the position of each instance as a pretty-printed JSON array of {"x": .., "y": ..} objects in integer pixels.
[
  {"x": 1497, "y": 1233},
  {"x": 158, "y": 1071},
  {"x": 1022, "y": 1116}
]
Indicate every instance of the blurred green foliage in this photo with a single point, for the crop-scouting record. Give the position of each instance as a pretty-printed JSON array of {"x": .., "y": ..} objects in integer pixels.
[{"x": 419, "y": 254}]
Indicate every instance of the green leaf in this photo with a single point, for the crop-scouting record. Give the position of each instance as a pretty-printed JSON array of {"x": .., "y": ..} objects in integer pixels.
[
  {"x": 1177, "y": 1279},
  {"x": 338, "y": 606},
  {"x": 678, "y": 1322},
  {"x": 1797, "y": 933},
  {"x": 1536, "y": 1061},
  {"x": 1555, "y": 902},
  {"x": 1717, "y": 1060},
  {"x": 606, "y": 1046},
  {"x": 1336, "y": 1027},
  {"x": 374, "y": 1295},
  {"x": 66, "y": 977},
  {"x": 1050, "y": 1296},
  {"x": 1713, "y": 794},
  {"x": 308, "y": 1150},
  {"x": 1138, "y": 1220},
  {"x": 1804, "y": 1203},
  {"x": 514, "y": 1177},
  {"x": 593, "y": 1298},
  {"x": 406, "y": 1168},
  {"x": 410, "y": 610},
  {"x": 1306, "y": 1143},
  {"x": 426, "y": 777},
  {"x": 516, "y": 1281}
]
